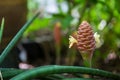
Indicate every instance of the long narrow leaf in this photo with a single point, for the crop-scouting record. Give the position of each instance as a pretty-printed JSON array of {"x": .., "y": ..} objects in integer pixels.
[
  {"x": 1, "y": 29},
  {"x": 56, "y": 69},
  {"x": 77, "y": 79},
  {"x": 1, "y": 76},
  {"x": 7, "y": 73},
  {"x": 15, "y": 39}
]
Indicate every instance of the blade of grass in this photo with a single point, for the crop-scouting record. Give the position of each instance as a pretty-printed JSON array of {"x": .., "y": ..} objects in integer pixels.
[
  {"x": 77, "y": 79},
  {"x": 56, "y": 69},
  {"x": 1, "y": 76},
  {"x": 1, "y": 29},
  {"x": 57, "y": 76},
  {"x": 15, "y": 39},
  {"x": 7, "y": 73},
  {"x": 11, "y": 72}
]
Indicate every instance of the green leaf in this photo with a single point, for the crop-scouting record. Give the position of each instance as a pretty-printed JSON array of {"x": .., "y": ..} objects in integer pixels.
[
  {"x": 56, "y": 69},
  {"x": 1, "y": 29},
  {"x": 10, "y": 72},
  {"x": 15, "y": 39},
  {"x": 77, "y": 79}
]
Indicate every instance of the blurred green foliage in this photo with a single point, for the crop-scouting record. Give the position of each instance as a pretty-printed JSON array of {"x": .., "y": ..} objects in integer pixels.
[{"x": 103, "y": 16}]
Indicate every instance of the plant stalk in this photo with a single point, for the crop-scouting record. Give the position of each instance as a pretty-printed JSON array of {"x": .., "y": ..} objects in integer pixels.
[
  {"x": 55, "y": 69},
  {"x": 1, "y": 29},
  {"x": 58, "y": 55},
  {"x": 16, "y": 38}
]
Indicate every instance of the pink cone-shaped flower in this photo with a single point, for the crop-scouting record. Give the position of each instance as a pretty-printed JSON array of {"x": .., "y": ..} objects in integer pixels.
[
  {"x": 85, "y": 41},
  {"x": 85, "y": 38}
]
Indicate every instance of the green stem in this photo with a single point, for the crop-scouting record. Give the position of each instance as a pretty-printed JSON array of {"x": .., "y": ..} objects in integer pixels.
[
  {"x": 53, "y": 77},
  {"x": 1, "y": 28},
  {"x": 15, "y": 39},
  {"x": 57, "y": 76},
  {"x": 58, "y": 55},
  {"x": 77, "y": 79},
  {"x": 87, "y": 59},
  {"x": 54, "y": 69},
  {"x": 87, "y": 63},
  {"x": 10, "y": 72},
  {"x": 1, "y": 76}
]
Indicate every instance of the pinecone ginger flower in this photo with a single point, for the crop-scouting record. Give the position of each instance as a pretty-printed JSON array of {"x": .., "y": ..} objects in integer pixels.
[{"x": 85, "y": 40}]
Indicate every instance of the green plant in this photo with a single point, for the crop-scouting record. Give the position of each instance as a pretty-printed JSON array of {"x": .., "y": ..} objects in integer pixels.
[
  {"x": 50, "y": 72},
  {"x": 15, "y": 39},
  {"x": 45, "y": 71},
  {"x": 1, "y": 33},
  {"x": 1, "y": 29}
]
